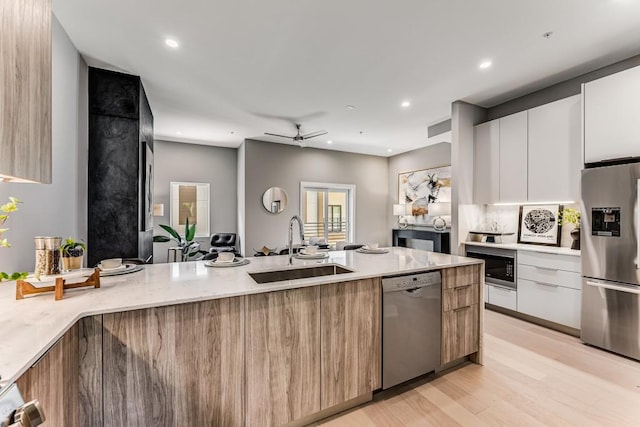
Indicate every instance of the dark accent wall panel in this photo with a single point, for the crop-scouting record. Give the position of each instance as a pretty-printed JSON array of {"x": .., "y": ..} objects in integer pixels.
[{"x": 120, "y": 128}]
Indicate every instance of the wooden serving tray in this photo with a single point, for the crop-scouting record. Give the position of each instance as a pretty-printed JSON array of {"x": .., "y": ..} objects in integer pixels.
[{"x": 24, "y": 288}]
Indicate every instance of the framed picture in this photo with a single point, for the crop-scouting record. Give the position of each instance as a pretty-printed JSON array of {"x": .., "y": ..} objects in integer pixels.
[
  {"x": 190, "y": 200},
  {"x": 423, "y": 187},
  {"x": 540, "y": 225}
]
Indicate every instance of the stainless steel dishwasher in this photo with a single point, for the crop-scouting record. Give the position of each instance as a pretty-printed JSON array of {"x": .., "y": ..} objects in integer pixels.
[{"x": 411, "y": 310}]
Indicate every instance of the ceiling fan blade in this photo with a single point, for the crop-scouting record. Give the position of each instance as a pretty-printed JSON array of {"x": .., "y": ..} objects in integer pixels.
[
  {"x": 281, "y": 136},
  {"x": 314, "y": 134}
]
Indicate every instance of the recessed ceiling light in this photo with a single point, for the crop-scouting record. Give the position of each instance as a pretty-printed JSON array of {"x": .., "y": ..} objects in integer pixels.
[
  {"x": 350, "y": 107},
  {"x": 232, "y": 132},
  {"x": 389, "y": 150},
  {"x": 178, "y": 133},
  {"x": 171, "y": 43},
  {"x": 405, "y": 104},
  {"x": 329, "y": 142},
  {"x": 485, "y": 64},
  {"x": 548, "y": 34}
]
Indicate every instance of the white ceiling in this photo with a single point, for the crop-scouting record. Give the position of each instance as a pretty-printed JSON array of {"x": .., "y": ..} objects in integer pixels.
[{"x": 242, "y": 64}]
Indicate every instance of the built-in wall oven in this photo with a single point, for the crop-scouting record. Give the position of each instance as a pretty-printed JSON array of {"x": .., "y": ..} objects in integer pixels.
[{"x": 499, "y": 265}]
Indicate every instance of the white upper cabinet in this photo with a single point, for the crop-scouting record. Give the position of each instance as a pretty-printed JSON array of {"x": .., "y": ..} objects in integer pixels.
[
  {"x": 513, "y": 158},
  {"x": 555, "y": 153},
  {"x": 486, "y": 163},
  {"x": 612, "y": 116}
]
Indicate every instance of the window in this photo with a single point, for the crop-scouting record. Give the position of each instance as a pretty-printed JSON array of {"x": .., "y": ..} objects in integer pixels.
[
  {"x": 328, "y": 211},
  {"x": 335, "y": 218}
]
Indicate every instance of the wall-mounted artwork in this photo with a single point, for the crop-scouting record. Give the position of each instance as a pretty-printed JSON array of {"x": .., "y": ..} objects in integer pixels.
[
  {"x": 540, "y": 225},
  {"x": 423, "y": 187},
  {"x": 190, "y": 200}
]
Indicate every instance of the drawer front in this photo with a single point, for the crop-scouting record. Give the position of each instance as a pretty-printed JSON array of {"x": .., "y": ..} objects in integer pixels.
[
  {"x": 461, "y": 296},
  {"x": 554, "y": 261},
  {"x": 503, "y": 297},
  {"x": 567, "y": 279},
  {"x": 459, "y": 333},
  {"x": 554, "y": 303},
  {"x": 460, "y": 276}
]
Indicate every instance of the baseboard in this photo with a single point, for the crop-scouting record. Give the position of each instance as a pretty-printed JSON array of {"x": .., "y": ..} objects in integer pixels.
[{"x": 536, "y": 320}]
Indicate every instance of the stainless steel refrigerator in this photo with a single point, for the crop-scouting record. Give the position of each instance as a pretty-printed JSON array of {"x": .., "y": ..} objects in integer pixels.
[{"x": 611, "y": 258}]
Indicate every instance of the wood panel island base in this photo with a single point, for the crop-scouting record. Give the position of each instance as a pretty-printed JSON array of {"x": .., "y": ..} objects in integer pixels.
[{"x": 286, "y": 356}]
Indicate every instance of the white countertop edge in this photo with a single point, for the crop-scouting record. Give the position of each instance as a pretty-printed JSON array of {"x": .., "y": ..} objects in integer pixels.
[
  {"x": 12, "y": 372},
  {"x": 530, "y": 248}
]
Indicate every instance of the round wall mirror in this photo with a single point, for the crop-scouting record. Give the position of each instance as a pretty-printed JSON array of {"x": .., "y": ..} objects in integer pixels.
[{"x": 274, "y": 200}]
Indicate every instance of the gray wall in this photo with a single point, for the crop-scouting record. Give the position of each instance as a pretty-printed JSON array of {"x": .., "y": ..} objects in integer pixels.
[
  {"x": 558, "y": 91},
  {"x": 57, "y": 209},
  {"x": 175, "y": 161},
  {"x": 423, "y": 158},
  {"x": 280, "y": 165}
]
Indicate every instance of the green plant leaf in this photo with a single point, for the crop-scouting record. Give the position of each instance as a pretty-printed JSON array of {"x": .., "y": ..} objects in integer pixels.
[
  {"x": 3, "y": 276},
  {"x": 161, "y": 239},
  {"x": 20, "y": 275},
  {"x": 5, "y": 243},
  {"x": 191, "y": 233},
  {"x": 173, "y": 233}
]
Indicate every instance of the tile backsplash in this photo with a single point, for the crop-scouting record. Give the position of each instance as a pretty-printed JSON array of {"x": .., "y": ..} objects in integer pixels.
[{"x": 505, "y": 218}]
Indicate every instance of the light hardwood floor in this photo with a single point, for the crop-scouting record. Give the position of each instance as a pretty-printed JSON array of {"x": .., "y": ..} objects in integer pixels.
[{"x": 532, "y": 376}]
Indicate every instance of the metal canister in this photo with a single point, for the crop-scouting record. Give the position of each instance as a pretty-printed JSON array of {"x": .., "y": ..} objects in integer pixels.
[{"x": 47, "y": 255}]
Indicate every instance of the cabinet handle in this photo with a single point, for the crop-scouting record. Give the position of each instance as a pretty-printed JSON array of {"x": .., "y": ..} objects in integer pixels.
[
  {"x": 546, "y": 268},
  {"x": 546, "y": 284},
  {"x": 462, "y": 308},
  {"x": 459, "y": 288}
]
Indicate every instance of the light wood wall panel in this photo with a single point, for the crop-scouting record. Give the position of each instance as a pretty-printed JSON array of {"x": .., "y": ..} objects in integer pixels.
[
  {"x": 53, "y": 380},
  {"x": 351, "y": 340},
  {"x": 282, "y": 356},
  {"x": 177, "y": 365},
  {"x": 25, "y": 89}
]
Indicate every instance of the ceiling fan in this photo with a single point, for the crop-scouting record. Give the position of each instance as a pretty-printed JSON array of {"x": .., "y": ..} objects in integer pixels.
[{"x": 300, "y": 138}]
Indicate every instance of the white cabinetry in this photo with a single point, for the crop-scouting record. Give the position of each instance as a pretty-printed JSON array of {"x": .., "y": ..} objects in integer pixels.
[
  {"x": 502, "y": 297},
  {"x": 555, "y": 153},
  {"x": 531, "y": 156},
  {"x": 513, "y": 158},
  {"x": 611, "y": 116},
  {"x": 549, "y": 287},
  {"x": 486, "y": 163}
]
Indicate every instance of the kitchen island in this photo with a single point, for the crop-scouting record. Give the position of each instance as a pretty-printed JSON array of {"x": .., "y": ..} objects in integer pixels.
[{"x": 183, "y": 341}]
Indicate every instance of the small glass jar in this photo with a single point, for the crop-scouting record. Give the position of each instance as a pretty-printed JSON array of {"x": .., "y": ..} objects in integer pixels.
[{"x": 47, "y": 255}]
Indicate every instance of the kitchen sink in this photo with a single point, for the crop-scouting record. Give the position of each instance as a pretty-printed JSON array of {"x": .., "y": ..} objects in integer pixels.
[{"x": 298, "y": 273}]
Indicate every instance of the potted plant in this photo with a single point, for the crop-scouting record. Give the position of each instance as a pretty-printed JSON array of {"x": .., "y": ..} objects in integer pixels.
[
  {"x": 572, "y": 216},
  {"x": 188, "y": 247},
  {"x": 5, "y": 210},
  {"x": 72, "y": 253}
]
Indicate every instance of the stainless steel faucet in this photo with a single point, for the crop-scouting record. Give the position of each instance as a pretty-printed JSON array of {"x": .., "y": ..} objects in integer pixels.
[{"x": 301, "y": 226}]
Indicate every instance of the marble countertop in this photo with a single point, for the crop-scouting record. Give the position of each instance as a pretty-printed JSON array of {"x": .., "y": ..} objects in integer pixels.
[
  {"x": 530, "y": 248},
  {"x": 31, "y": 326}
]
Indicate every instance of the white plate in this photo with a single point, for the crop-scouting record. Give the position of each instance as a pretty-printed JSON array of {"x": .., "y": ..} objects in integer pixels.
[
  {"x": 235, "y": 263},
  {"x": 120, "y": 267},
  {"x": 364, "y": 250},
  {"x": 317, "y": 255},
  {"x": 126, "y": 269}
]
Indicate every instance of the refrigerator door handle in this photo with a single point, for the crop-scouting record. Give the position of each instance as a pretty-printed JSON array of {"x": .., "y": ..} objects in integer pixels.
[
  {"x": 637, "y": 224},
  {"x": 614, "y": 287}
]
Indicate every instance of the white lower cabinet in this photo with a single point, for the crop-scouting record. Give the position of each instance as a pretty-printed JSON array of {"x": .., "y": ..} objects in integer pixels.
[
  {"x": 550, "y": 302},
  {"x": 549, "y": 287},
  {"x": 502, "y": 297}
]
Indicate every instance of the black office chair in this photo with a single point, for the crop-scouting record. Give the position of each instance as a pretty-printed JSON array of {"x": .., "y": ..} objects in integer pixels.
[{"x": 223, "y": 242}]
